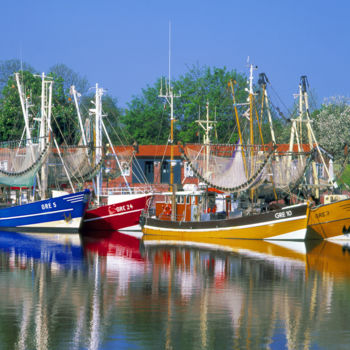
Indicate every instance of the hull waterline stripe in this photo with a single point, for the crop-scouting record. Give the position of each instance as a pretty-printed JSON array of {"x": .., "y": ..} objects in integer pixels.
[
  {"x": 225, "y": 228},
  {"x": 328, "y": 222},
  {"x": 73, "y": 223},
  {"x": 74, "y": 199},
  {"x": 30, "y": 215},
  {"x": 109, "y": 216}
]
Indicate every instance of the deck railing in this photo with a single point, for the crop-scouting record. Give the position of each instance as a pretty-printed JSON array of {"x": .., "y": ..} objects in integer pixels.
[{"x": 105, "y": 191}]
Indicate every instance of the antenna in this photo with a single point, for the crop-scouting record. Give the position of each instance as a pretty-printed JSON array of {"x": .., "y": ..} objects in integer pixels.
[
  {"x": 250, "y": 80},
  {"x": 20, "y": 54},
  {"x": 169, "y": 52}
]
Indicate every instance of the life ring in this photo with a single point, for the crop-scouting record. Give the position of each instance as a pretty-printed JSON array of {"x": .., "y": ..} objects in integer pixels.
[
  {"x": 167, "y": 210},
  {"x": 212, "y": 209}
]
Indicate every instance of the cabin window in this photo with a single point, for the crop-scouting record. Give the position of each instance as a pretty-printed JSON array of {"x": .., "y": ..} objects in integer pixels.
[
  {"x": 320, "y": 170},
  {"x": 125, "y": 168},
  {"x": 188, "y": 199},
  {"x": 3, "y": 165},
  {"x": 149, "y": 171},
  {"x": 188, "y": 170},
  {"x": 165, "y": 172},
  {"x": 180, "y": 199}
]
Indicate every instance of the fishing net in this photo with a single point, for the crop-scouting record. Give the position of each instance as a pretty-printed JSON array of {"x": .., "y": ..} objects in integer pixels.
[
  {"x": 228, "y": 167},
  {"x": 20, "y": 162}
]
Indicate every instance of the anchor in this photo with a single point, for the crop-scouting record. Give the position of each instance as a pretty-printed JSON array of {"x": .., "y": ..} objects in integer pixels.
[
  {"x": 67, "y": 218},
  {"x": 346, "y": 230}
]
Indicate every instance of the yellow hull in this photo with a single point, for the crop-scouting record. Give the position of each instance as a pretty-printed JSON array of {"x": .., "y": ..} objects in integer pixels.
[
  {"x": 271, "y": 226},
  {"x": 323, "y": 256},
  {"x": 330, "y": 258},
  {"x": 331, "y": 220},
  {"x": 239, "y": 246}
]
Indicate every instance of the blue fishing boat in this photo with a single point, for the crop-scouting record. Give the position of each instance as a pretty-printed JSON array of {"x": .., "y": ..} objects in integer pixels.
[
  {"x": 28, "y": 202},
  {"x": 58, "y": 214}
]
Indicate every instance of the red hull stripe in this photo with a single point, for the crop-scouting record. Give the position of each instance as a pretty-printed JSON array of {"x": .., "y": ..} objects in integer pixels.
[{"x": 112, "y": 215}]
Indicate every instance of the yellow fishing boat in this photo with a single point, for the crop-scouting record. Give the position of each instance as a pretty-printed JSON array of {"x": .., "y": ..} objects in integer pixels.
[{"x": 332, "y": 219}]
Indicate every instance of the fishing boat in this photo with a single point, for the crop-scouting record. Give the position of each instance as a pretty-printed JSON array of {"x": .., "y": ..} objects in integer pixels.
[
  {"x": 58, "y": 214},
  {"x": 121, "y": 213},
  {"x": 109, "y": 210},
  {"x": 21, "y": 184},
  {"x": 331, "y": 219},
  {"x": 235, "y": 171},
  {"x": 264, "y": 250},
  {"x": 289, "y": 223}
]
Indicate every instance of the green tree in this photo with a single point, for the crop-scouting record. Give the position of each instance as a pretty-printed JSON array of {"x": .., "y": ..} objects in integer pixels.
[
  {"x": 70, "y": 78},
  {"x": 112, "y": 121},
  {"x": 147, "y": 116},
  {"x": 111, "y": 117},
  {"x": 8, "y": 67},
  {"x": 146, "y": 119},
  {"x": 202, "y": 85},
  {"x": 332, "y": 126},
  {"x": 64, "y": 117},
  {"x": 64, "y": 123},
  {"x": 11, "y": 116}
]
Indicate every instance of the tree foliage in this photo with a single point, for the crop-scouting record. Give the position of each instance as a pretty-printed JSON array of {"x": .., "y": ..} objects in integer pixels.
[
  {"x": 147, "y": 116},
  {"x": 146, "y": 119},
  {"x": 202, "y": 85},
  {"x": 64, "y": 116},
  {"x": 8, "y": 67},
  {"x": 69, "y": 78},
  {"x": 11, "y": 116},
  {"x": 111, "y": 116},
  {"x": 332, "y": 126}
]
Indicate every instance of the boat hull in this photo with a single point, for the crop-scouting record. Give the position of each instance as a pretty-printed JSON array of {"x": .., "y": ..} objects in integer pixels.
[
  {"x": 116, "y": 216},
  {"x": 58, "y": 214},
  {"x": 289, "y": 223},
  {"x": 331, "y": 220}
]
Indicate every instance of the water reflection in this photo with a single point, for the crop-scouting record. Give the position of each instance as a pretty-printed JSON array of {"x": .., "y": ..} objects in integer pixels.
[{"x": 121, "y": 292}]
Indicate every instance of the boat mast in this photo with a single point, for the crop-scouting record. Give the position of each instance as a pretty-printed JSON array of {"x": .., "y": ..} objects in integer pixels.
[
  {"x": 45, "y": 122},
  {"x": 116, "y": 157},
  {"x": 25, "y": 109},
  {"x": 98, "y": 138},
  {"x": 297, "y": 130},
  {"x": 230, "y": 84},
  {"x": 169, "y": 98},
  {"x": 305, "y": 101},
  {"x": 251, "y": 124},
  {"x": 206, "y": 125},
  {"x": 263, "y": 82},
  {"x": 312, "y": 138},
  {"x": 75, "y": 96}
]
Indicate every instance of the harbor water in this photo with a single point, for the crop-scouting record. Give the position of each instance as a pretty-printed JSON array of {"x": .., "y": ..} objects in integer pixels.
[{"x": 123, "y": 292}]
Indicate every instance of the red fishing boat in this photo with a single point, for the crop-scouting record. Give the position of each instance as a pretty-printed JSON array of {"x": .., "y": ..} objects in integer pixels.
[
  {"x": 109, "y": 210},
  {"x": 121, "y": 212}
]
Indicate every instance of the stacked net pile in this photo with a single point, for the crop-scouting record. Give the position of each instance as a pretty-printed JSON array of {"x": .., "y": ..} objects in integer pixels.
[
  {"x": 20, "y": 161},
  {"x": 286, "y": 170},
  {"x": 228, "y": 167}
]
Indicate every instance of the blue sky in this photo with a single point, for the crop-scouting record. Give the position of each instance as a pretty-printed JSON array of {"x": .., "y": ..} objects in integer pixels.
[{"x": 123, "y": 45}]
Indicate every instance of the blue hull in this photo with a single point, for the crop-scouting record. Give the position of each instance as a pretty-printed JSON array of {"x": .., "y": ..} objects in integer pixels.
[
  {"x": 41, "y": 249},
  {"x": 60, "y": 214}
]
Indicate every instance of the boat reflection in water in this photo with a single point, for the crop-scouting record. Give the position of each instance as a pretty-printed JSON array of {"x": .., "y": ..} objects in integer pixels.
[
  {"x": 120, "y": 292},
  {"x": 279, "y": 295},
  {"x": 55, "y": 249}
]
